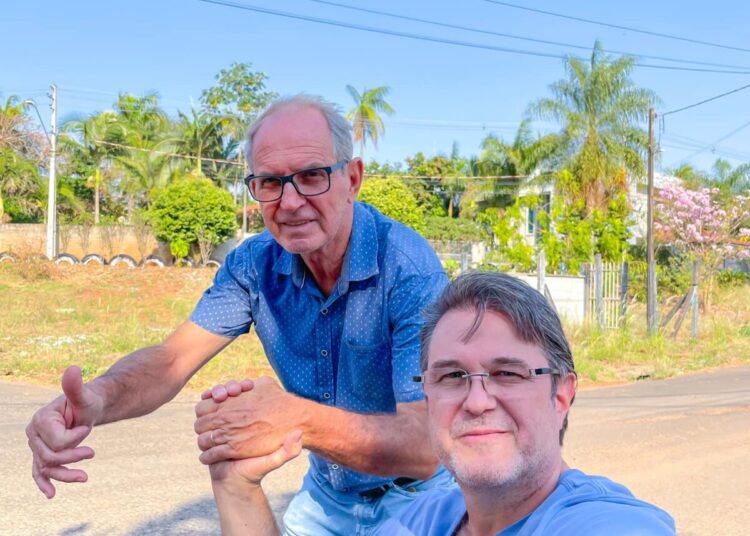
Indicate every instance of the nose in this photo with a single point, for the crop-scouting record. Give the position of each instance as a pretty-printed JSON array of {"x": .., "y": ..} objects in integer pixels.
[
  {"x": 291, "y": 200},
  {"x": 478, "y": 400}
]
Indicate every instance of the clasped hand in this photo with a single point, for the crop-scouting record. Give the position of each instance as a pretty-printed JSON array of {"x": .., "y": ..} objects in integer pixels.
[{"x": 247, "y": 429}]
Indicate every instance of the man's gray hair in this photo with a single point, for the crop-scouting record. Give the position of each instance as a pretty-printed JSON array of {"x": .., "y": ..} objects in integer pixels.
[
  {"x": 532, "y": 317},
  {"x": 341, "y": 130}
]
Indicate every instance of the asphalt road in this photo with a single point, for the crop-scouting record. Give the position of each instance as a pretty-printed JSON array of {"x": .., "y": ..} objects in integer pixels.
[{"x": 680, "y": 443}]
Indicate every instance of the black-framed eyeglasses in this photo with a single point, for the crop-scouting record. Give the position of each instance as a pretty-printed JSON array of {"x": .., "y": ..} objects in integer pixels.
[
  {"x": 307, "y": 182},
  {"x": 452, "y": 383}
]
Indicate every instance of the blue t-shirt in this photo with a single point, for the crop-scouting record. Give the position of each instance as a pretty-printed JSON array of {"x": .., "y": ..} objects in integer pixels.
[
  {"x": 580, "y": 505},
  {"x": 356, "y": 349}
]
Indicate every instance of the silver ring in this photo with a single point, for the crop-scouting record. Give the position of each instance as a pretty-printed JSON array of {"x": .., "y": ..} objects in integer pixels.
[{"x": 211, "y": 437}]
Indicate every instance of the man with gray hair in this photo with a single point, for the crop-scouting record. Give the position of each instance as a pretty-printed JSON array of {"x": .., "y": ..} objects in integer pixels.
[
  {"x": 334, "y": 290},
  {"x": 499, "y": 380}
]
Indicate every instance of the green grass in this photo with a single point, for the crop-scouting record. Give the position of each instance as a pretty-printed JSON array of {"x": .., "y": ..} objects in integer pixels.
[
  {"x": 91, "y": 316},
  {"x": 629, "y": 354},
  {"x": 53, "y": 317}
]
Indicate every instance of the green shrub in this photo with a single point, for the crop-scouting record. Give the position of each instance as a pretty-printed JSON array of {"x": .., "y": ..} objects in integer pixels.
[
  {"x": 731, "y": 278},
  {"x": 453, "y": 230},
  {"x": 391, "y": 197},
  {"x": 190, "y": 206}
]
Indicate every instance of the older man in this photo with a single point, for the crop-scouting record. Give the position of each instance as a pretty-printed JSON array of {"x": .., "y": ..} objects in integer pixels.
[
  {"x": 499, "y": 380},
  {"x": 334, "y": 290}
]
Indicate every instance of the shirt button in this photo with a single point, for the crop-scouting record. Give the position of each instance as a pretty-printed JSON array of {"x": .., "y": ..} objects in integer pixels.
[
  {"x": 324, "y": 311},
  {"x": 324, "y": 353},
  {"x": 327, "y": 395},
  {"x": 334, "y": 466}
]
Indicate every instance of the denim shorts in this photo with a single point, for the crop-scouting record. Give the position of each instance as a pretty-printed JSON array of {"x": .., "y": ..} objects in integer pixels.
[{"x": 320, "y": 510}]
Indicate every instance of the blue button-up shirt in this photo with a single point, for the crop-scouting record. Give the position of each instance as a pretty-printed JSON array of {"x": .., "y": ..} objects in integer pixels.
[{"x": 356, "y": 349}]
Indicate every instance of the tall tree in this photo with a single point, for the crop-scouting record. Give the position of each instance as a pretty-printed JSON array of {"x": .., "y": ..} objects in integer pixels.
[
  {"x": 365, "y": 116},
  {"x": 520, "y": 161},
  {"x": 239, "y": 92},
  {"x": 21, "y": 154},
  {"x": 601, "y": 112},
  {"x": 147, "y": 161},
  {"x": 731, "y": 180},
  {"x": 89, "y": 142}
]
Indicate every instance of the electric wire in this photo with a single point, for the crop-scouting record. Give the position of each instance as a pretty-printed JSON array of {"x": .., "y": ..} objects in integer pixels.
[
  {"x": 617, "y": 26},
  {"x": 705, "y": 101},
  {"x": 455, "y": 42},
  {"x": 520, "y": 37},
  {"x": 716, "y": 142}
]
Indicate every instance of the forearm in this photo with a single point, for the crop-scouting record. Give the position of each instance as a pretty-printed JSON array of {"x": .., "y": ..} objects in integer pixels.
[
  {"x": 138, "y": 384},
  {"x": 381, "y": 444},
  {"x": 244, "y": 510},
  {"x": 142, "y": 381}
]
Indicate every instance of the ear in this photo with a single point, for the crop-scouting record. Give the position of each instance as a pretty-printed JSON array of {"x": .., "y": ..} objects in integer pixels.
[
  {"x": 566, "y": 393},
  {"x": 355, "y": 172}
]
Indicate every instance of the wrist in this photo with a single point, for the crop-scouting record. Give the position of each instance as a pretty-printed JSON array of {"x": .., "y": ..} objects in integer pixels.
[{"x": 242, "y": 489}]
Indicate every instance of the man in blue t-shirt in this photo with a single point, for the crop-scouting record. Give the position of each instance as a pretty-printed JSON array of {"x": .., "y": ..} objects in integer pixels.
[
  {"x": 499, "y": 381},
  {"x": 334, "y": 290}
]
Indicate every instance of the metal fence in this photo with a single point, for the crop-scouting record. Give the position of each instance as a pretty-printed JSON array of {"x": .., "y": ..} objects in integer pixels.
[{"x": 605, "y": 288}]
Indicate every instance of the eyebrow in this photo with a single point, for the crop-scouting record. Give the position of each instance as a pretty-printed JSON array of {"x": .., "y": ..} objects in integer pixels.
[
  {"x": 311, "y": 166},
  {"x": 500, "y": 360}
]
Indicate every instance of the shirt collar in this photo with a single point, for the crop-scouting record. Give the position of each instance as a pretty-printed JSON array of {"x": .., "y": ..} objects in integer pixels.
[{"x": 360, "y": 259}]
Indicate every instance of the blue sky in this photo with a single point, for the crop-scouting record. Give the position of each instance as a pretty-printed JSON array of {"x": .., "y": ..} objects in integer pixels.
[{"x": 441, "y": 93}]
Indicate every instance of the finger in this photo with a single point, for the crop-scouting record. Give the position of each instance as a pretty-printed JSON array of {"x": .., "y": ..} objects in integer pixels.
[
  {"x": 246, "y": 385},
  {"x": 216, "y": 454},
  {"x": 289, "y": 450},
  {"x": 205, "y": 395},
  {"x": 293, "y": 442},
  {"x": 72, "y": 386},
  {"x": 233, "y": 388},
  {"x": 65, "y": 439},
  {"x": 219, "y": 393},
  {"x": 42, "y": 482},
  {"x": 206, "y": 441},
  {"x": 50, "y": 458},
  {"x": 63, "y": 474},
  {"x": 205, "y": 407}
]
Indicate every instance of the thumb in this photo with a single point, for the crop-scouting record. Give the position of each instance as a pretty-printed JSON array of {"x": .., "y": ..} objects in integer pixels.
[
  {"x": 72, "y": 386},
  {"x": 293, "y": 444},
  {"x": 80, "y": 401}
]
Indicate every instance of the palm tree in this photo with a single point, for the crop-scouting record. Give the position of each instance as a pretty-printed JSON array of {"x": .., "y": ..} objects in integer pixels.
[
  {"x": 730, "y": 180},
  {"x": 365, "y": 116},
  {"x": 147, "y": 159},
  {"x": 90, "y": 144},
  {"x": 21, "y": 152},
  {"x": 520, "y": 161},
  {"x": 600, "y": 110}
]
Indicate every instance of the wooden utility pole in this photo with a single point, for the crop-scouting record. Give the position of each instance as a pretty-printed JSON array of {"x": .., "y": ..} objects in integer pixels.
[{"x": 651, "y": 321}]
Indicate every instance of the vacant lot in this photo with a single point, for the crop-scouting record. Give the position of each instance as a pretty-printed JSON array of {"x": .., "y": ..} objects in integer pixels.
[{"x": 52, "y": 317}]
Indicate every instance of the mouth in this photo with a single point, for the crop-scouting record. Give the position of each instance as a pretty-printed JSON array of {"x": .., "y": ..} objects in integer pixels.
[
  {"x": 480, "y": 435},
  {"x": 299, "y": 223}
]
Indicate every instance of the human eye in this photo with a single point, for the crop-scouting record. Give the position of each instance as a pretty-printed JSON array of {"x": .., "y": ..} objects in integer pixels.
[
  {"x": 448, "y": 377},
  {"x": 266, "y": 182},
  {"x": 507, "y": 375},
  {"x": 311, "y": 175}
]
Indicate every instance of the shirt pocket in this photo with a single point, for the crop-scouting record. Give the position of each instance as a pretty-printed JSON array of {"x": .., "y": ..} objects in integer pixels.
[{"x": 368, "y": 370}]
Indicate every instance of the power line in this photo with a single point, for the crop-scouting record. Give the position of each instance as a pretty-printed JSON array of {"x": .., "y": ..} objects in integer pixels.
[
  {"x": 166, "y": 153},
  {"x": 520, "y": 37},
  {"x": 442, "y": 177},
  {"x": 617, "y": 26},
  {"x": 710, "y": 145},
  {"x": 705, "y": 101},
  {"x": 455, "y": 42}
]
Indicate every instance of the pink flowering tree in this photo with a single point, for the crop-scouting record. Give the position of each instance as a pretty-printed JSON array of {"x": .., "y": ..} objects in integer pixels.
[{"x": 703, "y": 227}]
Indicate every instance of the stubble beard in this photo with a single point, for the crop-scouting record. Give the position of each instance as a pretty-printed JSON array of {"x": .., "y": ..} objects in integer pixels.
[{"x": 484, "y": 471}]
